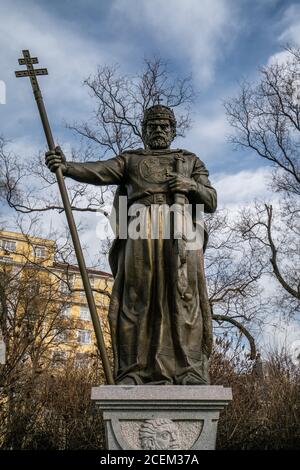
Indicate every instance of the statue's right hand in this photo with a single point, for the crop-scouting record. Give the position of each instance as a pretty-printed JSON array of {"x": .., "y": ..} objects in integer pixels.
[{"x": 56, "y": 158}]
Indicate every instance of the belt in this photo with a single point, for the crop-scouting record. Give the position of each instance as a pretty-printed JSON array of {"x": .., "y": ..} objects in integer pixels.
[{"x": 157, "y": 198}]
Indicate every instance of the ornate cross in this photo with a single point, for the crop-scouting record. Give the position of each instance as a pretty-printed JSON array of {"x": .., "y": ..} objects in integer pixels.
[{"x": 31, "y": 72}]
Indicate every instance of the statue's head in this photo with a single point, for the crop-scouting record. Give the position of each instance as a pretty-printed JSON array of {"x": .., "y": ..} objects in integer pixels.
[
  {"x": 158, "y": 434},
  {"x": 158, "y": 127}
]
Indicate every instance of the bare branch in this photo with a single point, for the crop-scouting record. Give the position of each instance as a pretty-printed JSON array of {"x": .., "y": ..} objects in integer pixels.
[{"x": 242, "y": 328}]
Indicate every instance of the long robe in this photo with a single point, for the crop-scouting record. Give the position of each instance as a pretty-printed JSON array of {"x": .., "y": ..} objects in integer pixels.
[{"x": 159, "y": 336}]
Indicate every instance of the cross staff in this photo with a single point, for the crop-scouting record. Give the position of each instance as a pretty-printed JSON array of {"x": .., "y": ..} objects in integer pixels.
[{"x": 31, "y": 72}]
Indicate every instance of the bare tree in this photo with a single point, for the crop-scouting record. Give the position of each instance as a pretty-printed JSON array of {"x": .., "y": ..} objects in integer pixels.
[
  {"x": 273, "y": 236},
  {"x": 233, "y": 276},
  {"x": 266, "y": 118},
  {"x": 120, "y": 102},
  {"x": 27, "y": 186},
  {"x": 32, "y": 326}
]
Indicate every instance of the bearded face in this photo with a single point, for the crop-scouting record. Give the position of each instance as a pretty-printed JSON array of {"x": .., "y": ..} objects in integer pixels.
[
  {"x": 159, "y": 134},
  {"x": 159, "y": 436}
]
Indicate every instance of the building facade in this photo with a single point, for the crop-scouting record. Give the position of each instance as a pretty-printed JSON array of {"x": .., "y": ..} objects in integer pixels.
[{"x": 67, "y": 329}]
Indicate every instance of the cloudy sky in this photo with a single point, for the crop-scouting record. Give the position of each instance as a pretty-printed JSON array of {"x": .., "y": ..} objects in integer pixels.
[{"x": 218, "y": 41}]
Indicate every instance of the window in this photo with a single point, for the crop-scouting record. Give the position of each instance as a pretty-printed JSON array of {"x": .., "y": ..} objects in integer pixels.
[
  {"x": 81, "y": 360},
  {"x": 84, "y": 336},
  {"x": 85, "y": 313},
  {"x": 39, "y": 251},
  {"x": 66, "y": 310},
  {"x": 64, "y": 287},
  {"x": 60, "y": 336},
  {"x": 8, "y": 245},
  {"x": 67, "y": 283},
  {"x": 6, "y": 259},
  {"x": 92, "y": 281},
  {"x": 59, "y": 358}
]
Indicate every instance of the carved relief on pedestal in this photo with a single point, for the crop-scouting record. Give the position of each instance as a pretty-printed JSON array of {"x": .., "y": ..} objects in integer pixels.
[{"x": 160, "y": 433}]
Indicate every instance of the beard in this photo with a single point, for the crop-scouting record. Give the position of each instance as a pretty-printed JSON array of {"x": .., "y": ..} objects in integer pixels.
[{"x": 159, "y": 142}]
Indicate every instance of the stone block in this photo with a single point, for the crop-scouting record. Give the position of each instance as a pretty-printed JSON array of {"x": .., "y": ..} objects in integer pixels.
[{"x": 170, "y": 417}]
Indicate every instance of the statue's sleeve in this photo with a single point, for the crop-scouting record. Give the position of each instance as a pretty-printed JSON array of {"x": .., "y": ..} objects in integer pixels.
[
  {"x": 204, "y": 193},
  {"x": 104, "y": 172}
]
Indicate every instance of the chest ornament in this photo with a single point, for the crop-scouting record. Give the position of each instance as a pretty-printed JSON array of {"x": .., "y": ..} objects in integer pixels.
[{"x": 156, "y": 169}]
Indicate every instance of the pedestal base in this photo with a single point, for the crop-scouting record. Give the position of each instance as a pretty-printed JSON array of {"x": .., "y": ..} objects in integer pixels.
[{"x": 144, "y": 417}]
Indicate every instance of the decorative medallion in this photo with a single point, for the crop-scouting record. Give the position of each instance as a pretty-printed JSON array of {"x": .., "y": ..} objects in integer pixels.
[{"x": 156, "y": 169}]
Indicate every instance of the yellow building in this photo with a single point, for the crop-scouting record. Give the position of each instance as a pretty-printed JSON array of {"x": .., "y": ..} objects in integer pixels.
[{"x": 77, "y": 341}]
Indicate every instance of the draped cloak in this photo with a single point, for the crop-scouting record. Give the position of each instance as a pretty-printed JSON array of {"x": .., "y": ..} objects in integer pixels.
[{"x": 159, "y": 336}]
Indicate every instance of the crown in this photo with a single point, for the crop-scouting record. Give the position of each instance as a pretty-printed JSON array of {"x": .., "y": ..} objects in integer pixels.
[{"x": 159, "y": 111}]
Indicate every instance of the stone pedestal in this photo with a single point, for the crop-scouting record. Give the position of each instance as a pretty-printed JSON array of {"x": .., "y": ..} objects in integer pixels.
[{"x": 169, "y": 417}]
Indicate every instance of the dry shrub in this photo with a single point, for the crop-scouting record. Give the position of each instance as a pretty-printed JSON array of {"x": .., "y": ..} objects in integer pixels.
[
  {"x": 53, "y": 410},
  {"x": 265, "y": 411}
]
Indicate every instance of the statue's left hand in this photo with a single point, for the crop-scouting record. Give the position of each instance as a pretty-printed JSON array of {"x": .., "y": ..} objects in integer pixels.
[{"x": 181, "y": 184}]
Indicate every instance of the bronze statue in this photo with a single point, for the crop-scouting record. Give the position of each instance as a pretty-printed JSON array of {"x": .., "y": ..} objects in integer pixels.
[{"x": 159, "y": 313}]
